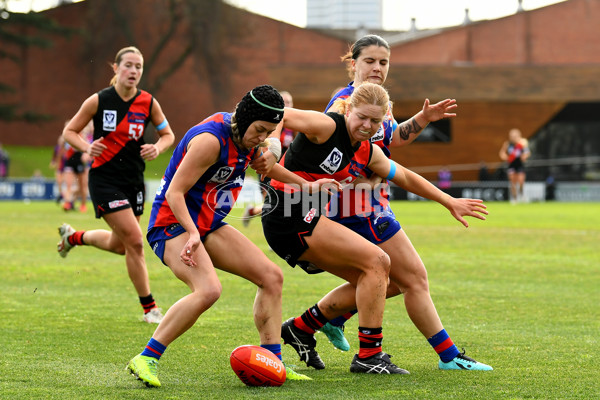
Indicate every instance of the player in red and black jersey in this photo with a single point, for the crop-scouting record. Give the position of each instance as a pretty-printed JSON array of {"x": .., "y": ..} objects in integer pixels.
[
  {"x": 120, "y": 114},
  {"x": 337, "y": 145},
  {"x": 515, "y": 151},
  {"x": 368, "y": 213}
]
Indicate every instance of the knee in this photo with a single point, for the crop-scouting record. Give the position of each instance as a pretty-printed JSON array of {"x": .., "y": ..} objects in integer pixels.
[
  {"x": 378, "y": 262},
  {"x": 272, "y": 280},
  {"x": 119, "y": 249},
  {"x": 134, "y": 245},
  {"x": 206, "y": 297},
  {"x": 415, "y": 282}
]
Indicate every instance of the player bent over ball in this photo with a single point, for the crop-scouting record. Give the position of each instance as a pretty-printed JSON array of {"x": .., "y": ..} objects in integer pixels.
[{"x": 187, "y": 232}]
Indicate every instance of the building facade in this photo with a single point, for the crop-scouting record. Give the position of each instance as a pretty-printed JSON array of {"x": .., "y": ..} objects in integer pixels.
[{"x": 536, "y": 70}]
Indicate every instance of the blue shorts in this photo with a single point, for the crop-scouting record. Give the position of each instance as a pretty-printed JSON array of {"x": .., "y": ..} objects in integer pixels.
[
  {"x": 158, "y": 236},
  {"x": 376, "y": 227}
]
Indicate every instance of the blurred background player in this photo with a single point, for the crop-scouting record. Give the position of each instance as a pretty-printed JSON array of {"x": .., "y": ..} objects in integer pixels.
[
  {"x": 120, "y": 114},
  {"x": 75, "y": 172},
  {"x": 515, "y": 151},
  {"x": 57, "y": 163}
]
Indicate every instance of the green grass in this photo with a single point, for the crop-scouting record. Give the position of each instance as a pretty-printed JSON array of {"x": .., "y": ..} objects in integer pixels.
[
  {"x": 519, "y": 292},
  {"x": 24, "y": 160}
]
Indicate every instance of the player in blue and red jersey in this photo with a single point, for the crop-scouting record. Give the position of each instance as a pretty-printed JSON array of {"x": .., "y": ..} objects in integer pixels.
[
  {"x": 120, "y": 114},
  {"x": 368, "y": 213},
  {"x": 337, "y": 145},
  {"x": 187, "y": 232}
]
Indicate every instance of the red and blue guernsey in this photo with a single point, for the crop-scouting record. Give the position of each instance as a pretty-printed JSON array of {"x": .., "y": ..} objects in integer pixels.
[
  {"x": 214, "y": 194},
  {"x": 349, "y": 203}
]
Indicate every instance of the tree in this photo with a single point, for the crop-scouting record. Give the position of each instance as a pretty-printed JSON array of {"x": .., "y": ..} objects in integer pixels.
[
  {"x": 200, "y": 29},
  {"x": 18, "y": 32}
]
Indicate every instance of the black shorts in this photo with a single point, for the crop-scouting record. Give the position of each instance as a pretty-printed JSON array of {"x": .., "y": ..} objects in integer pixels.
[
  {"x": 74, "y": 164},
  {"x": 109, "y": 198},
  {"x": 286, "y": 224}
]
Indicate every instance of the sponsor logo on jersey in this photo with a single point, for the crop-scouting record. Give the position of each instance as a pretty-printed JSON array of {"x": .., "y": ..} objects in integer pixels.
[
  {"x": 310, "y": 215},
  {"x": 332, "y": 162},
  {"x": 378, "y": 135},
  {"x": 118, "y": 203},
  {"x": 222, "y": 174},
  {"x": 109, "y": 120},
  {"x": 136, "y": 118}
]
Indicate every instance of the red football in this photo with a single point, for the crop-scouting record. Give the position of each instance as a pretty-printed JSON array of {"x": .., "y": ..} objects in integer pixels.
[{"x": 256, "y": 366}]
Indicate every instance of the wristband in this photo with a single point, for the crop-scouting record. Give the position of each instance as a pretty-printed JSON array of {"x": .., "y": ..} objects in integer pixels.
[{"x": 274, "y": 146}]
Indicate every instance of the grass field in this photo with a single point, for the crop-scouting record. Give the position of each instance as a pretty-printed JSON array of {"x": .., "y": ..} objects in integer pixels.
[
  {"x": 24, "y": 160},
  {"x": 520, "y": 292}
]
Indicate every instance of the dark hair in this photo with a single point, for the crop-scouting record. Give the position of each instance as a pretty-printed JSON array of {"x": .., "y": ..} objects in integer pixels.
[
  {"x": 358, "y": 46},
  {"x": 263, "y": 103}
]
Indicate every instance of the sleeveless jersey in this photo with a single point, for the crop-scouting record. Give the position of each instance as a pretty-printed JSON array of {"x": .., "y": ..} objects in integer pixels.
[
  {"x": 214, "y": 194},
  {"x": 350, "y": 202},
  {"x": 514, "y": 151},
  {"x": 336, "y": 158},
  {"x": 122, "y": 125}
]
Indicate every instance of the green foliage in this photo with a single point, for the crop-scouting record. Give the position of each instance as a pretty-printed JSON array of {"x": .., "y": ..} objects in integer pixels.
[
  {"x": 518, "y": 291},
  {"x": 20, "y": 31}
]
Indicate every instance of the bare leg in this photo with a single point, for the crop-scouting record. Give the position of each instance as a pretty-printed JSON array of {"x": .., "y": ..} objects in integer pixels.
[
  {"x": 344, "y": 253},
  {"x": 126, "y": 234}
]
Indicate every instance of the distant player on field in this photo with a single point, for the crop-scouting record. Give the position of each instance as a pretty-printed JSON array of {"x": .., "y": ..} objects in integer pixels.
[{"x": 120, "y": 114}]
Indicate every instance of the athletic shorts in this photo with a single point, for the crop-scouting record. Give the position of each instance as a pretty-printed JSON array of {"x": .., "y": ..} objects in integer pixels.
[
  {"x": 158, "y": 236},
  {"x": 516, "y": 166},
  {"x": 74, "y": 164},
  {"x": 286, "y": 225},
  {"x": 109, "y": 198},
  {"x": 376, "y": 227},
  {"x": 516, "y": 170}
]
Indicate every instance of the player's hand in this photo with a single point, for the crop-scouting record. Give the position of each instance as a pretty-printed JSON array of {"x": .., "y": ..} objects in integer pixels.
[
  {"x": 328, "y": 185},
  {"x": 187, "y": 253},
  {"x": 263, "y": 163},
  {"x": 149, "y": 152},
  {"x": 460, "y": 208},
  {"x": 443, "y": 109},
  {"x": 96, "y": 147}
]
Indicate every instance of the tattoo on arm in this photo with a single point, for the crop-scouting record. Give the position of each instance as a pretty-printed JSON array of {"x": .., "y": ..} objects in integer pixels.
[{"x": 408, "y": 127}]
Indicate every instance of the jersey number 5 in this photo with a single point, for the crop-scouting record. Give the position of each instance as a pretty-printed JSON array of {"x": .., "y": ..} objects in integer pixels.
[{"x": 136, "y": 131}]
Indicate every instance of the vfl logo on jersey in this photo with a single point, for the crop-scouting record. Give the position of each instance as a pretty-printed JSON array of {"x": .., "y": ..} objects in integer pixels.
[
  {"x": 140, "y": 197},
  {"x": 379, "y": 135},
  {"x": 332, "y": 162},
  {"x": 109, "y": 120},
  {"x": 222, "y": 174}
]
